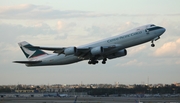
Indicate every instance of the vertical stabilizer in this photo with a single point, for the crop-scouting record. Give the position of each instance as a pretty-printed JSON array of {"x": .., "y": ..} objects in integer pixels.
[{"x": 30, "y": 52}]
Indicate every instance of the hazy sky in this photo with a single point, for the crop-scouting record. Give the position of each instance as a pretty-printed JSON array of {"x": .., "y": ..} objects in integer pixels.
[{"x": 76, "y": 22}]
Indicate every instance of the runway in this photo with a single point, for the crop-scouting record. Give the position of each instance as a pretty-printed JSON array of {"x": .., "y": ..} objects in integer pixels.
[{"x": 91, "y": 100}]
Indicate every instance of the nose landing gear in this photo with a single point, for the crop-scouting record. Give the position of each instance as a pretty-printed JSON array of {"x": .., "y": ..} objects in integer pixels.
[
  {"x": 152, "y": 41},
  {"x": 152, "y": 45}
]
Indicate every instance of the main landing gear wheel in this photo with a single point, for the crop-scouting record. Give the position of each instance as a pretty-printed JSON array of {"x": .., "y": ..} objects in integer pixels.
[
  {"x": 104, "y": 61},
  {"x": 95, "y": 61},
  {"x": 92, "y": 62},
  {"x": 89, "y": 62}
]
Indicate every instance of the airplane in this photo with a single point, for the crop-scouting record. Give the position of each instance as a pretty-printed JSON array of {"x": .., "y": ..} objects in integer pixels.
[
  {"x": 109, "y": 48},
  {"x": 75, "y": 99}
]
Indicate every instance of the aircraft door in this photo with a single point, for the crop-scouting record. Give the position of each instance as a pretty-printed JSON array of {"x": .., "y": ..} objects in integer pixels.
[{"x": 147, "y": 31}]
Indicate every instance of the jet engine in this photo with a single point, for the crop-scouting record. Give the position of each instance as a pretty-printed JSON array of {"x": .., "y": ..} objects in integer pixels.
[
  {"x": 70, "y": 51},
  {"x": 97, "y": 51},
  {"x": 120, "y": 53}
]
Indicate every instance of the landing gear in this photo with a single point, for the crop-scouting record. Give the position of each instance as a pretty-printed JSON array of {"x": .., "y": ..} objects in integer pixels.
[
  {"x": 95, "y": 61},
  {"x": 89, "y": 62},
  {"x": 152, "y": 45},
  {"x": 92, "y": 62},
  {"x": 152, "y": 41},
  {"x": 104, "y": 61}
]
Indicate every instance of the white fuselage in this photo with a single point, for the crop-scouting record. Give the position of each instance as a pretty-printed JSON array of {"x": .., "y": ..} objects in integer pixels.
[{"x": 127, "y": 39}]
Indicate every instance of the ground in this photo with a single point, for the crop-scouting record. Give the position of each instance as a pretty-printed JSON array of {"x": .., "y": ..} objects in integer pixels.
[{"x": 91, "y": 100}]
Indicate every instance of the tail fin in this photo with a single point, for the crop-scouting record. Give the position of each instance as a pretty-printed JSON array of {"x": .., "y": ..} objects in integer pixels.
[{"x": 30, "y": 52}]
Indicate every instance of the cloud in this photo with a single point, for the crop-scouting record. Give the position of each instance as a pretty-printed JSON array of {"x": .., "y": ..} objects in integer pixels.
[
  {"x": 13, "y": 9},
  {"x": 177, "y": 62},
  {"x": 125, "y": 26},
  {"x": 7, "y": 52},
  {"x": 9, "y": 32},
  {"x": 169, "y": 49},
  {"x": 131, "y": 63},
  {"x": 30, "y": 11},
  {"x": 174, "y": 14},
  {"x": 59, "y": 25},
  {"x": 64, "y": 27},
  {"x": 137, "y": 49}
]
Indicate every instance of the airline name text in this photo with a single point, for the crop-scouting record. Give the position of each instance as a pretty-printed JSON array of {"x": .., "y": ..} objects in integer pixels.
[{"x": 122, "y": 37}]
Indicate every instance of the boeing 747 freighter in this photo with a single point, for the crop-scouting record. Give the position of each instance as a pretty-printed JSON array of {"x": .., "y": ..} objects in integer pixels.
[{"x": 109, "y": 48}]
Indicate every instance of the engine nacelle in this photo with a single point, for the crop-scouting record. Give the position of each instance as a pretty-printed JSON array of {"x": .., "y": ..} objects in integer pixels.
[
  {"x": 70, "y": 51},
  {"x": 97, "y": 51},
  {"x": 120, "y": 53}
]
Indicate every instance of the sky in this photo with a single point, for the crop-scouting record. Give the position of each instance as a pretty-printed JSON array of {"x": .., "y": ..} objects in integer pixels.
[{"x": 60, "y": 23}]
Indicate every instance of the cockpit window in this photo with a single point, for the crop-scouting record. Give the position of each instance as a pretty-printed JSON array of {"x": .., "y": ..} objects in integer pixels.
[
  {"x": 153, "y": 28},
  {"x": 152, "y": 25}
]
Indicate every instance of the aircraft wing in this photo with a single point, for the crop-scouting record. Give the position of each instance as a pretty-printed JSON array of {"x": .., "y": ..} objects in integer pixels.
[
  {"x": 78, "y": 51},
  {"x": 59, "y": 50}
]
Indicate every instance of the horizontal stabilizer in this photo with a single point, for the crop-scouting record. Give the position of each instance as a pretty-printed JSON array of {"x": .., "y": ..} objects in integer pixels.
[{"x": 27, "y": 62}]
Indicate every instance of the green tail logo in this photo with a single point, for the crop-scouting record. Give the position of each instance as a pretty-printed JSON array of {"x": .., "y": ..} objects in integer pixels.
[{"x": 28, "y": 51}]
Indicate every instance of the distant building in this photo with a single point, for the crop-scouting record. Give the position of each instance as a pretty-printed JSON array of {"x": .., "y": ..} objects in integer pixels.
[
  {"x": 177, "y": 84},
  {"x": 11, "y": 95},
  {"x": 24, "y": 91}
]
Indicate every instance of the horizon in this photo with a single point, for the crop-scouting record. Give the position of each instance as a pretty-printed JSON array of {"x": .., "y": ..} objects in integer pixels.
[{"x": 89, "y": 84}]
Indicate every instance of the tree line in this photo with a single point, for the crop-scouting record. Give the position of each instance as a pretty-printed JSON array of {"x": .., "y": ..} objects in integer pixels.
[{"x": 138, "y": 89}]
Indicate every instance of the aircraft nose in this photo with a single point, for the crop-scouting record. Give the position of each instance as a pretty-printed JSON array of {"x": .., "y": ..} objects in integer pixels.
[{"x": 163, "y": 30}]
